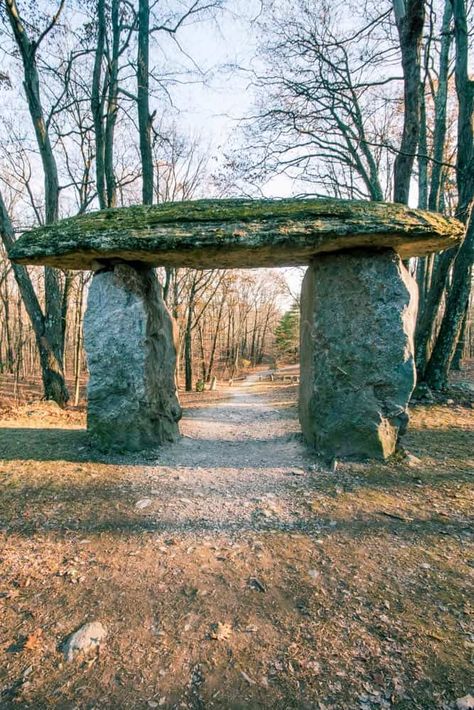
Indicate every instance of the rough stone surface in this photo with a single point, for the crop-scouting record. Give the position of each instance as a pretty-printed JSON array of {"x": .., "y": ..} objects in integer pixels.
[
  {"x": 130, "y": 345},
  {"x": 85, "y": 640},
  {"x": 234, "y": 233},
  {"x": 357, "y": 365}
]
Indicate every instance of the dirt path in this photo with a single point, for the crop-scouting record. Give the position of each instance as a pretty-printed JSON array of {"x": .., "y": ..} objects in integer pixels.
[{"x": 239, "y": 464}]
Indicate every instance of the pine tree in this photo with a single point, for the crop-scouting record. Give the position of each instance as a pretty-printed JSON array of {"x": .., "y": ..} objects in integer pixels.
[{"x": 287, "y": 333}]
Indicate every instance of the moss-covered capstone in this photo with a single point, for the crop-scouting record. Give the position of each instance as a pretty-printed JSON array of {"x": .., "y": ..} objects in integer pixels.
[{"x": 234, "y": 233}]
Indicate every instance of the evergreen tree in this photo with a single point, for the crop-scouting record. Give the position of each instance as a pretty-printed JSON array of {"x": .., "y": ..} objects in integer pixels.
[{"x": 287, "y": 333}]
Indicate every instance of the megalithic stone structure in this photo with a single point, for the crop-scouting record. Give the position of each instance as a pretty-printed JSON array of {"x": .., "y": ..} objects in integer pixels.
[
  {"x": 130, "y": 341},
  {"x": 358, "y": 317},
  {"x": 358, "y": 307}
]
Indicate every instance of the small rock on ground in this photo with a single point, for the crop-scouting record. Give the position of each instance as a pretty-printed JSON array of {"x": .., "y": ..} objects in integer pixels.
[{"x": 86, "y": 639}]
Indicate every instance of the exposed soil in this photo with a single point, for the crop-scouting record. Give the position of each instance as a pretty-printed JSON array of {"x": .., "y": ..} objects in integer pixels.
[{"x": 249, "y": 575}]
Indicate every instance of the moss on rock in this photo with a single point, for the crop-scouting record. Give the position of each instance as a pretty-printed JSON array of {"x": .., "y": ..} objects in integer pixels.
[{"x": 234, "y": 233}]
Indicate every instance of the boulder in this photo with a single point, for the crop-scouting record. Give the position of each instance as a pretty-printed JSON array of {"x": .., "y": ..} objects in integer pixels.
[
  {"x": 130, "y": 344},
  {"x": 234, "y": 233},
  {"x": 358, "y": 315}
]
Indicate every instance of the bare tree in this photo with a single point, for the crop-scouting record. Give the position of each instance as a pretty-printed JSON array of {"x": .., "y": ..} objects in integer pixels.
[
  {"x": 437, "y": 370},
  {"x": 114, "y": 33},
  {"x": 51, "y": 325},
  {"x": 318, "y": 98},
  {"x": 51, "y": 367}
]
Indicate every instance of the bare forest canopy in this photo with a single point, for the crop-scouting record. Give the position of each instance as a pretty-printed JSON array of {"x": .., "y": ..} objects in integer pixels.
[{"x": 111, "y": 104}]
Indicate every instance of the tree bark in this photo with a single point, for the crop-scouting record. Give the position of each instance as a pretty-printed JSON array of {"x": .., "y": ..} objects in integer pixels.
[
  {"x": 143, "y": 101},
  {"x": 217, "y": 326},
  {"x": 188, "y": 341},
  {"x": 112, "y": 108},
  {"x": 97, "y": 105},
  {"x": 440, "y": 103},
  {"x": 54, "y": 386},
  {"x": 52, "y": 331},
  {"x": 430, "y": 309},
  {"x": 423, "y": 154},
  {"x": 459, "y": 352},
  {"x": 409, "y": 16},
  {"x": 436, "y": 375},
  {"x": 438, "y": 367}
]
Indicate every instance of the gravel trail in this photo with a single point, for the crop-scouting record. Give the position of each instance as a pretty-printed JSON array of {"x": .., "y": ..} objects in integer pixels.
[{"x": 241, "y": 464}]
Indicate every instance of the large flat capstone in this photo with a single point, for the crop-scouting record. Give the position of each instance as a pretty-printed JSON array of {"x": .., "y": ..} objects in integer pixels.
[
  {"x": 234, "y": 233},
  {"x": 130, "y": 344},
  {"x": 358, "y": 315}
]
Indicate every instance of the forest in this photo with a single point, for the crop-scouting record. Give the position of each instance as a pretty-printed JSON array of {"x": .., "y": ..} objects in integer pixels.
[
  {"x": 381, "y": 112},
  {"x": 263, "y": 499}
]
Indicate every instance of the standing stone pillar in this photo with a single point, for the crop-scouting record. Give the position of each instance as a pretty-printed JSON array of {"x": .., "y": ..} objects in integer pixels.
[
  {"x": 131, "y": 354},
  {"x": 358, "y": 314}
]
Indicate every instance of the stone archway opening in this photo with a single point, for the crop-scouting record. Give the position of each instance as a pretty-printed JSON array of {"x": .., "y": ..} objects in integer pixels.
[{"x": 358, "y": 308}]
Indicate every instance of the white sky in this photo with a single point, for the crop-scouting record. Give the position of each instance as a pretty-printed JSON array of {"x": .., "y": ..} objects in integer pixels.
[
  {"x": 214, "y": 107},
  {"x": 224, "y": 50}
]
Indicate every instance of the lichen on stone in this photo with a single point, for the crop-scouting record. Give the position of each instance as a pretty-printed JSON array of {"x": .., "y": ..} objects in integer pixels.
[{"x": 235, "y": 233}]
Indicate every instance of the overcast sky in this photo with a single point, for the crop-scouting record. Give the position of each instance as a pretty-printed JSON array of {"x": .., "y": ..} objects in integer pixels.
[{"x": 224, "y": 51}]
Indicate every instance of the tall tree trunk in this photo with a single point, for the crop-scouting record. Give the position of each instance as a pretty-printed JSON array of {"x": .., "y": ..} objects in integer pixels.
[
  {"x": 440, "y": 105},
  {"x": 78, "y": 340},
  {"x": 188, "y": 341},
  {"x": 143, "y": 101},
  {"x": 458, "y": 297},
  {"x": 436, "y": 374},
  {"x": 432, "y": 285},
  {"x": 97, "y": 105},
  {"x": 264, "y": 335},
  {"x": 217, "y": 326},
  {"x": 465, "y": 95},
  {"x": 423, "y": 154},
  {"x": 53, "y": 324},
  {"x": 254, "y": 337},
  {"x": 112, "y": 108},
  {"x": 203, "y": 352},
  {"x": 51, "y": 368},
  {"x": 409, "y": 16},
  {"x": 459, "y": 352},
  {"x": 430, "y": 309}
]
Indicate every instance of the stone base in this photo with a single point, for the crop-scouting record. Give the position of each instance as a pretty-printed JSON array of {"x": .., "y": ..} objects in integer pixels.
[
  {"x": 358, "y": 314},
  {"x": 131, "y": 353}
]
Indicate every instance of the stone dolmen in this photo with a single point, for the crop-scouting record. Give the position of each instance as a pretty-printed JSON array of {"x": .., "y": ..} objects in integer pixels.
[{"x": 358, "y": 307}]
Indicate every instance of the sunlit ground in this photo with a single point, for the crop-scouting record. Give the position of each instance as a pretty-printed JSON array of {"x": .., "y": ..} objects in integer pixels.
[{"x": 363, "y": 596}]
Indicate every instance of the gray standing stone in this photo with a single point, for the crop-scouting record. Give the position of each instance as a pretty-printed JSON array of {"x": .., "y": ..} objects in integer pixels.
[
  {"x": 358, "y": 314},
  {"x": 130, "y": 344}
]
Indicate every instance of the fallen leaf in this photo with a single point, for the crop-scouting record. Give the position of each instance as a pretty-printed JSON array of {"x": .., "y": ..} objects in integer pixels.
[
  {"x": 34, "y": 641},
  {"x": 220, "y": 632}
]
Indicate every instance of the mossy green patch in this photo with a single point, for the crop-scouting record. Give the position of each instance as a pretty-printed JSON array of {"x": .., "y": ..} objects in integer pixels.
[{"x": 234, "y": 233}]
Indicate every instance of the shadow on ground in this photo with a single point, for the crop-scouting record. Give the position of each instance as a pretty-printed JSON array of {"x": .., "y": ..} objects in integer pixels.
[{"x": 335, "y": 589}]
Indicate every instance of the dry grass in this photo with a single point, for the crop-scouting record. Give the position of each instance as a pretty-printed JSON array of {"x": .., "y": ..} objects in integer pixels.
[{"x": 363, "y": 601}]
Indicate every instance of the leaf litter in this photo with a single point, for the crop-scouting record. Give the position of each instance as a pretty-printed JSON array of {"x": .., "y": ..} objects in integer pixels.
[{"x": 355, "y": 590}]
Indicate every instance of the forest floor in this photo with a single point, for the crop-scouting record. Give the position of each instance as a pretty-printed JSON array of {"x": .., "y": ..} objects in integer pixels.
[{"x": 233, "y": 569}]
